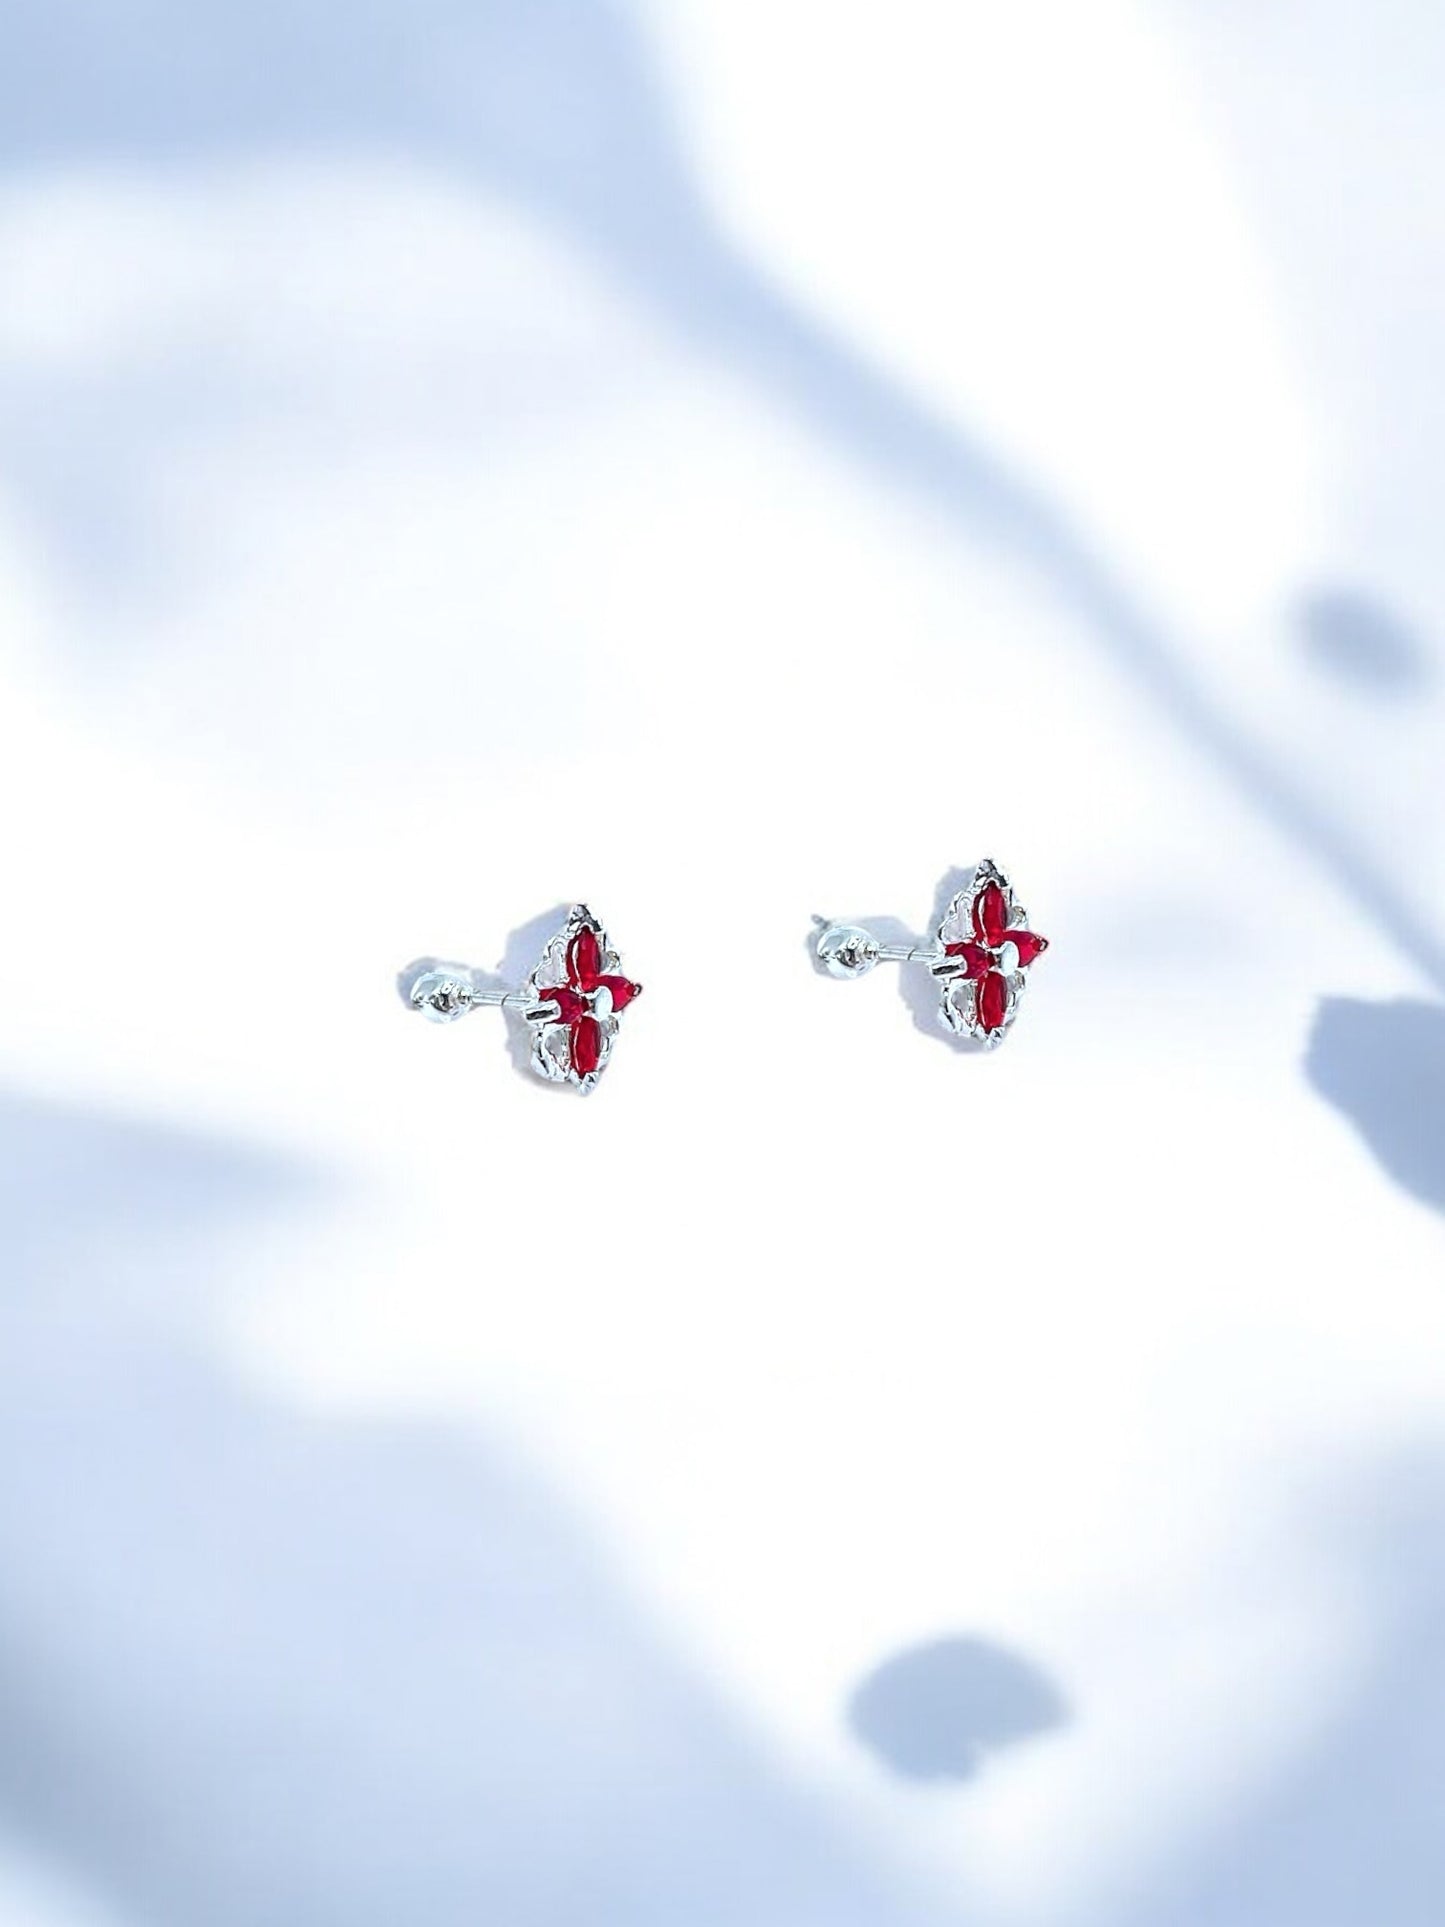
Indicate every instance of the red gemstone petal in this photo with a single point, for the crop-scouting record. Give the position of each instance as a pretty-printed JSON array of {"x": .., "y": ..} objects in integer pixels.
[
  {"x": 976, "y": 960},
  {"x": 584, "y": 959},
  {"x": 990, "y": 915},
  {"x": 570, "y": 1006},
  {"x": 586, "y": 1046},
  {"x": 622, "y": 990},
  {"x": 992, "y": 1001},
  {"x": 1028, "y": 944}
]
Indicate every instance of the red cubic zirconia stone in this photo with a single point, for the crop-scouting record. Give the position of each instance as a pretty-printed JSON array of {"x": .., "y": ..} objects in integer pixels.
[
  {"x": 990, "y": 915},
  {"x": 586, "y": 1046},
  {"x": 992, "y": 1001}
]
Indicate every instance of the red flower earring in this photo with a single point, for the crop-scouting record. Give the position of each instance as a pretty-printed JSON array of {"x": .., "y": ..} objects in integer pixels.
[
  {"x": 570, "y": 1003},
  {"x": 979, "y": 957}
]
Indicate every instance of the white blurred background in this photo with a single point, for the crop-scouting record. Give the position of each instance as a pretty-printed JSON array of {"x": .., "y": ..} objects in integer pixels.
[{"x": 725, "y": 462}]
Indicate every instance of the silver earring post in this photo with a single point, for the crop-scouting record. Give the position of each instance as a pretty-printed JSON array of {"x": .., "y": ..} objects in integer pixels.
[{"x": 449, "y": 992}]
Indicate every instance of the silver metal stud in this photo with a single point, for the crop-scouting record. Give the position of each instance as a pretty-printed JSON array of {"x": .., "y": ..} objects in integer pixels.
[
  {"x": 979, "y": 956},
  {"x": 570, "y": 1003}
]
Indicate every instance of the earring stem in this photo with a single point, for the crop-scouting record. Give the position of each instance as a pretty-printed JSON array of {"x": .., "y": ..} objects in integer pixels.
[
  {"x": 847, "y": 950},
  {"x": 907, "y": 952},
  {"x": 450, "y": 991},
  {"x": 503, "y": 999}
]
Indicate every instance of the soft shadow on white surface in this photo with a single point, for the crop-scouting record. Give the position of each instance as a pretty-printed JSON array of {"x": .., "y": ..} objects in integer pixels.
[
  {"x": 258, "y": 1665},
  {"x": 1355, "y": 639},
  {"x": 937, "y": 1711},
  {"x": 560, "y": 108},
  {"x": 1349, "y": 1835},
  {"x": 1383, "y": 1067}
]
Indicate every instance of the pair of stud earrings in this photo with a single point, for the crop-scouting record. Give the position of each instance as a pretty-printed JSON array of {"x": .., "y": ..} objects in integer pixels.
[{"x": 578, "y": 990}]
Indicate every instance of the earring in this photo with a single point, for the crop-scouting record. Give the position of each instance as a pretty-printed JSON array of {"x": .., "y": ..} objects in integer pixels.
[
  {"x": 570, "y": 1003},
  {"x": 979, "y": 956}
]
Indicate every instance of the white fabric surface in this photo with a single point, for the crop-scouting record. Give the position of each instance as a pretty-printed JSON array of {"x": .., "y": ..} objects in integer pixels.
[{"x": 724, "y": 463}]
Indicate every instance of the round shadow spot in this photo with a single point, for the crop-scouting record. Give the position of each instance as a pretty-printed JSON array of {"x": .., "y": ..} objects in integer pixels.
[
  {"x": 1359, "y": 641},
  {"x": 933, "y": 1712}
]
